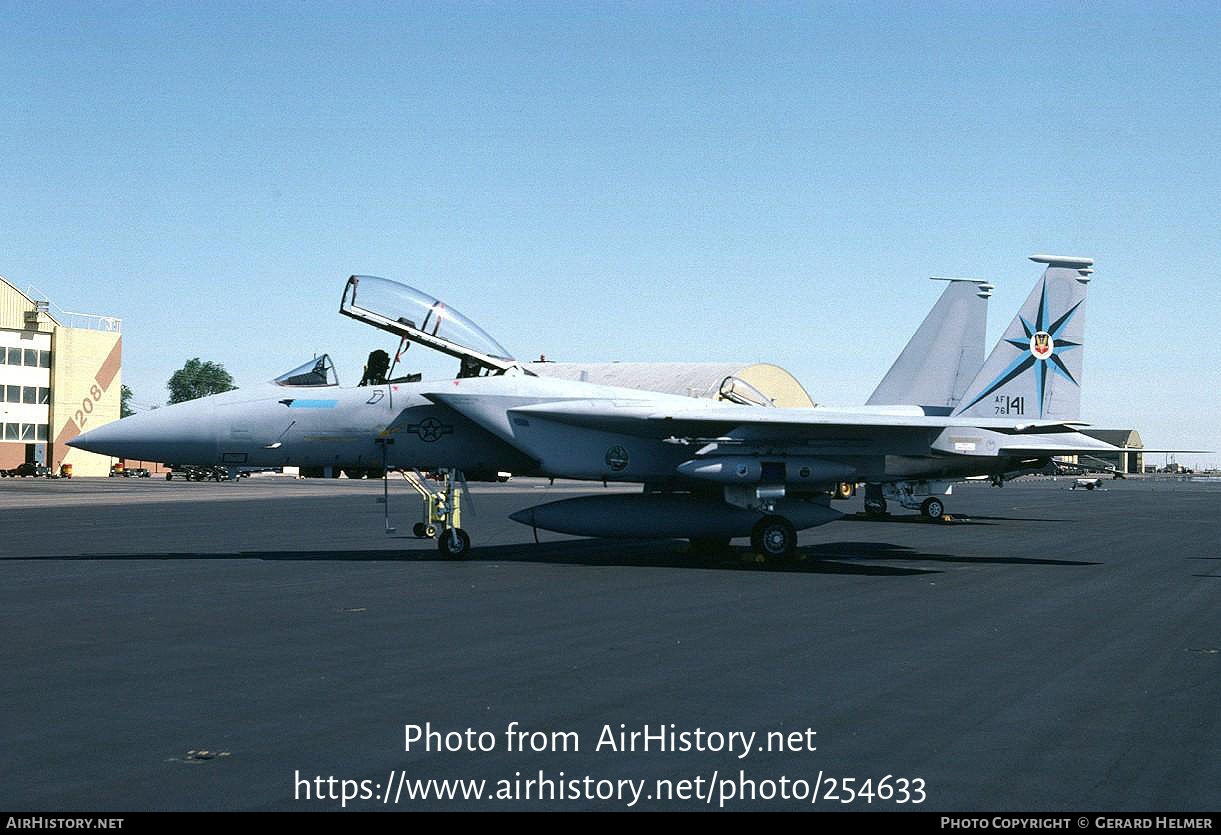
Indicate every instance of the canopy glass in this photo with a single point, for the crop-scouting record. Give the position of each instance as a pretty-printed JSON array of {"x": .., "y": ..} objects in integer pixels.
[
  {"x": 319, "y": 371},
  {"x": 420, "y": 312}
]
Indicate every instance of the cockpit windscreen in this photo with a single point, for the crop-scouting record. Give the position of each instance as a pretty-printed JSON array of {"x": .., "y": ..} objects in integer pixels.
[{"x": 319, "y": 371}]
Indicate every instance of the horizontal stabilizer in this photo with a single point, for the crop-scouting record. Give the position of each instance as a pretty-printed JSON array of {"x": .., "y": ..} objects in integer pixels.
[{"x": 1167, "y": 451}]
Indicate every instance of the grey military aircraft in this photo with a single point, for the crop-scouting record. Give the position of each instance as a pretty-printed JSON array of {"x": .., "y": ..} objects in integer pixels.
[{"x": 710, "y": 471}]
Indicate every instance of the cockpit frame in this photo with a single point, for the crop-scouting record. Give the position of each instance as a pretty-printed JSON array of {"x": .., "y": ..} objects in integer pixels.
[{"x": 405, "y": 329}]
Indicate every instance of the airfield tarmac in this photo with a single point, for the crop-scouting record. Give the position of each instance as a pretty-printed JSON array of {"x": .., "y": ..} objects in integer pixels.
[{"x": 1053, "y": 650}]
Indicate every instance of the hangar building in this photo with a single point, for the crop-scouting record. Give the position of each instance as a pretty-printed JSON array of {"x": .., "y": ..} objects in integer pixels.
[
  {"x": 59, "y": 375},
  {"x": 1125, "y": 462}
]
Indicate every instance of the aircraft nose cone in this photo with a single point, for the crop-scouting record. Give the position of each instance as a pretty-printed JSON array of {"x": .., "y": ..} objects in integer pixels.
[
  {"x": 181, "y": 434},
  {"x": 96, "y": 440}
]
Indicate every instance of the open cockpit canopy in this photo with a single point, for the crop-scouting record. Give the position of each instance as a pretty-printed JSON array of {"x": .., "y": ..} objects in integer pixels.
[
  {"x": 416, "y": 316},
  {"x": 319, "y": 371}
]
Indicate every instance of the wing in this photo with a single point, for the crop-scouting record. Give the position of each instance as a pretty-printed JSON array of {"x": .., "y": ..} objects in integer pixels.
[
  {"x": 723, "y": 424},
  {"x": 644, "y": 418}
]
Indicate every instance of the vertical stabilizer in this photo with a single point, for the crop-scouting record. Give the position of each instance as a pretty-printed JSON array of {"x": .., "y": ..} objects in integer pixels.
[
  {"x": 1035, "y": 369},
  {"x": 944, "y": 354}
]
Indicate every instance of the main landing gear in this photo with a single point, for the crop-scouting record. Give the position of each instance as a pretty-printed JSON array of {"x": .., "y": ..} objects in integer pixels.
[
  {"x": 875, "y": 502},
  {"x": 442, "y": 513},
  {"x": 774, "y": 536}
]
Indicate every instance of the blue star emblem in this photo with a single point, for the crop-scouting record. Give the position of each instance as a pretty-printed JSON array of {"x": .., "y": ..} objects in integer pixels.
[{"x": 1040, "y": 349}]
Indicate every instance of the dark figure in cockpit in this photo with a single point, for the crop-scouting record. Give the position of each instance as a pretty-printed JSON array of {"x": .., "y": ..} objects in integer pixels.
[
  {"x": 469, "y": 368},
  {"x": 375, "y": 368}
]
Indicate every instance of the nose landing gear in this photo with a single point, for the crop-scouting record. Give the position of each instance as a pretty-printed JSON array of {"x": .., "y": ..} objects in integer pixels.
[{"x": 442, "y": 512}]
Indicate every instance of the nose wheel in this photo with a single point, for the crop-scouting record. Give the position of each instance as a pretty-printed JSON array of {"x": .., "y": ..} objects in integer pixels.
[{"x": 454, "y": 543}]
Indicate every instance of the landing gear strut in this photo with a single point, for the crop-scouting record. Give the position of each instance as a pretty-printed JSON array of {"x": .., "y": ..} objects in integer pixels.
[
  {"x": 442, "y": 512},
  {"x": 875, "y": 503}
]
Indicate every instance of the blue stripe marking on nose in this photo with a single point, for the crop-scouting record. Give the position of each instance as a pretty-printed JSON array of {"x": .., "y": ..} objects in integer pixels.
[{"x": 313, "y": 404}]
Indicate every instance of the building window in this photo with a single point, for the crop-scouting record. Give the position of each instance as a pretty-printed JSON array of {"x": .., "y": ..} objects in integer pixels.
[
  {"x": 27, "y": 431},
  {"x": 44, "y": 395},
  {"x": 14, "y": 356},
  {"x": 11, "y": 432},
  {"x": 42, "y": 432},
  {"x": 31, "y": 358},
  {"x": 29, "y": 394},
  {"x": 12, "y": 394},
  {"x": 44, "y": 359}
]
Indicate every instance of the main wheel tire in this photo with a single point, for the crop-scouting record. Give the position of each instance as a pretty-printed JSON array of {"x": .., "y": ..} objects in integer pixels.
[
  {"x": 933, "y": 508},
  {"x": 774, "y": 536},
  {"x": 875, "y": 507},
  {"x": 454, "y": 543}
]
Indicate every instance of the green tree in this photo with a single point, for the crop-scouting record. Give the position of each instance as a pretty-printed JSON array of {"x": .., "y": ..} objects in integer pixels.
[
  {"x": 125, "y": 402},
  {"x": 198, "y": 378}
]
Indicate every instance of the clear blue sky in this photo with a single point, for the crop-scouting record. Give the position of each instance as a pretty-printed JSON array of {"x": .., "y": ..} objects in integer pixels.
[{"x": 623, "y": 180}]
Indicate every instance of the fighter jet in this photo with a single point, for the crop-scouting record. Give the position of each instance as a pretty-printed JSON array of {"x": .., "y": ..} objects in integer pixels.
[{"x": 709, "y": 471}]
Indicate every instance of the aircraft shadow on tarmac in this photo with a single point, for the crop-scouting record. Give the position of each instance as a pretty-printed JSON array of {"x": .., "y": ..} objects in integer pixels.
[
  {"x": 956, "y": 520},
  {"x": 1206, "y": 576},
  {"x": 825, "y": 558}
]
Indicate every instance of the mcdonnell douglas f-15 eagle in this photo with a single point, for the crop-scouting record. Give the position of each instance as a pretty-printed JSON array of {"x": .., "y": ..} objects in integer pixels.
[{"x": 710, "y": 471}]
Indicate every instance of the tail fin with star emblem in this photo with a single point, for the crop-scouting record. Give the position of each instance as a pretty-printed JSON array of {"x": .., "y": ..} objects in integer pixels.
[{"x": 1035, "y": 369}]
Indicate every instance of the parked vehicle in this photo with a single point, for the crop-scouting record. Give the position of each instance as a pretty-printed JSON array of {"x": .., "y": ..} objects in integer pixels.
[
  {"x": 190, "y": 472},
  {"x": 27, "y": 469}
]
